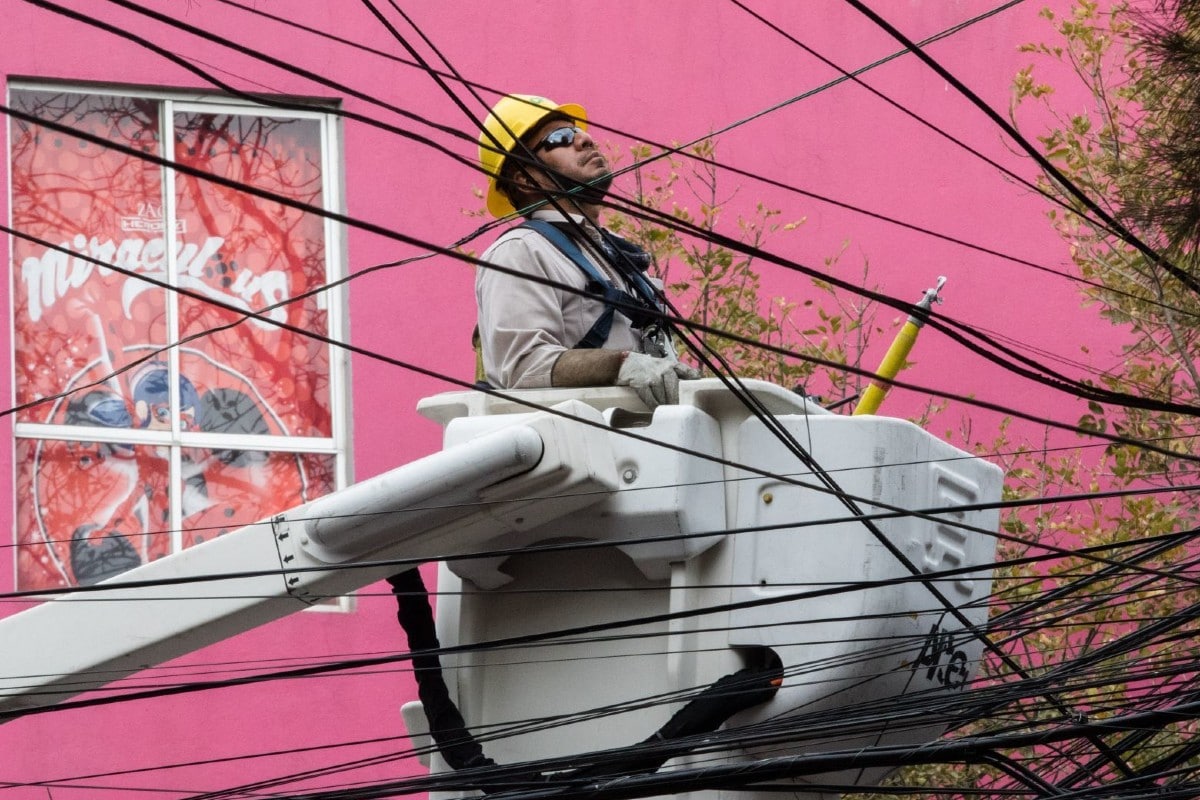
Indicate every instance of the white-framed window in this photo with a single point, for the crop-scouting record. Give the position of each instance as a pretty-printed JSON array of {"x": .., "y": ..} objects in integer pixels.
[{"x": 150, "y": 419}]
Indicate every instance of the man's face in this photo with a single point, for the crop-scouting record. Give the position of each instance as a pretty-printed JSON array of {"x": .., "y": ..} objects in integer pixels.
[{"x": 576, "y": 164}]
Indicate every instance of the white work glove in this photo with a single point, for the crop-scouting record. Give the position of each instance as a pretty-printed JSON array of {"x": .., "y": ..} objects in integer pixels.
[{"x": 656, "y": 380}]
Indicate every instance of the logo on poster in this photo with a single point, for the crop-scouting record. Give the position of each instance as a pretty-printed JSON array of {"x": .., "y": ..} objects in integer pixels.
[
  {"x": 56, "y": 272},
  {"x": 149, "y": 219}
]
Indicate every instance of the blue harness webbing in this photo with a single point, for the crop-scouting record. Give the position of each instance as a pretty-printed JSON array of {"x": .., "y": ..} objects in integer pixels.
[{"x": 641, "y": 307}]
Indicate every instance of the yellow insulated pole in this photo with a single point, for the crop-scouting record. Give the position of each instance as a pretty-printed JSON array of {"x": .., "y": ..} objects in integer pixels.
[{"x": 894, "y": 359}]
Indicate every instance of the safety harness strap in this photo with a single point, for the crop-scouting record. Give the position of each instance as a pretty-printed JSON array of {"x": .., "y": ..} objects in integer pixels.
[{"x": 614, "y": 299}]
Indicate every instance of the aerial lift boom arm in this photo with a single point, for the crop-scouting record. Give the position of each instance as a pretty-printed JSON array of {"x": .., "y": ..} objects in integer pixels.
[{"x": 438, "y": 505}]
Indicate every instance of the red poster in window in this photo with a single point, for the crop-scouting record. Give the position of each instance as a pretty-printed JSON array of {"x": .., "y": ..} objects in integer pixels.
[
  {"x": 259, "y": 254},
  {"x": 90, "y": 330},
  {"x": 103, "y": 508}
]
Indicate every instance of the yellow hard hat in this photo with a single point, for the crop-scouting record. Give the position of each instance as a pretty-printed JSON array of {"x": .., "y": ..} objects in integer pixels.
[{"x": 512, "y": 117}]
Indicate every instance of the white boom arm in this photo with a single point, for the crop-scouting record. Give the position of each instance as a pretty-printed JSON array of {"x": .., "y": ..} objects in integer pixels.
[{"x": 443, "y": 504}]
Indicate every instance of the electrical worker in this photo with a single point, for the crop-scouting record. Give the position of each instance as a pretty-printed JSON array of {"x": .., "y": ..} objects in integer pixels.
[
  {"x": 533, "y": 334},
  {"x": 539, "y": 158}
]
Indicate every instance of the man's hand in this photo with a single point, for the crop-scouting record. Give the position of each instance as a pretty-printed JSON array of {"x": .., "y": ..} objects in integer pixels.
[{"x": 656, "y": 380}]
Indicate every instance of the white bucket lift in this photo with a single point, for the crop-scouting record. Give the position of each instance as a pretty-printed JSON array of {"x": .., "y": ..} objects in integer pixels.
[
  {"x": 693, "y": 530},
  {"x": 840, "y": 649}
]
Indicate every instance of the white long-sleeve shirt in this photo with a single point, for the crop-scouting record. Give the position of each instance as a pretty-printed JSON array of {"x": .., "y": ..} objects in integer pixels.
[{"x": 524, "y": 326}]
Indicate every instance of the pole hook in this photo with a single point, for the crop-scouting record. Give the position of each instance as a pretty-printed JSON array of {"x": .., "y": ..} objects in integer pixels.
[{"x": 932, "y": 295}]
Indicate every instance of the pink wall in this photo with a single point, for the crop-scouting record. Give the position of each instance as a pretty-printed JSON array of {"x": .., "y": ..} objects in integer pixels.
[{"x": 666, "y": 70}]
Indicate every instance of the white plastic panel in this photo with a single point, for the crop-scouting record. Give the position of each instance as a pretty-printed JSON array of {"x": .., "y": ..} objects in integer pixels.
[
  {"x": 554, "y": 680},
  {"x": 869, "y": 638},
  {"x": 662, "y": 492}
]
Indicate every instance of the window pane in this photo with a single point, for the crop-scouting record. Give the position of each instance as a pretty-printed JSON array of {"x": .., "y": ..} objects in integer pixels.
[
  {"x": 260, "y": 253},
  {"x": 88, "y": 511},
  {"x": 97, "y": 510},
  {"x": 226, "y": 489},
  {"x": 75, "y": 321}
]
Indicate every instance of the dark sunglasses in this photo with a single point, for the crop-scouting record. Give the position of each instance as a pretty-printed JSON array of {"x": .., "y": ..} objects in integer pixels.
[{"x": 559, "y": 137}]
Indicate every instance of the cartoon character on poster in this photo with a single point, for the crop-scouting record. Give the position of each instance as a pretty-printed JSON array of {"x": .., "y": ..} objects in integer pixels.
[{"x": 105, "y": 507}]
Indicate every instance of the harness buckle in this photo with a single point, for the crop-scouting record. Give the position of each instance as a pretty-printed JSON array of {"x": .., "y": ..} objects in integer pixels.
[{"x": 655, "y": 341}]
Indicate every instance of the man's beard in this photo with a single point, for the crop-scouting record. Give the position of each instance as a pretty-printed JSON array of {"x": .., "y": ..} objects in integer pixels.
[{"x": 592, "y": 192}]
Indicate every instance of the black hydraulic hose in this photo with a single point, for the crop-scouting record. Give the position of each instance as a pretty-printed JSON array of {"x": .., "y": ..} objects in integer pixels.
[
  {"x": 446, "y": 725},
  {"x": 704, "y": 713}
]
